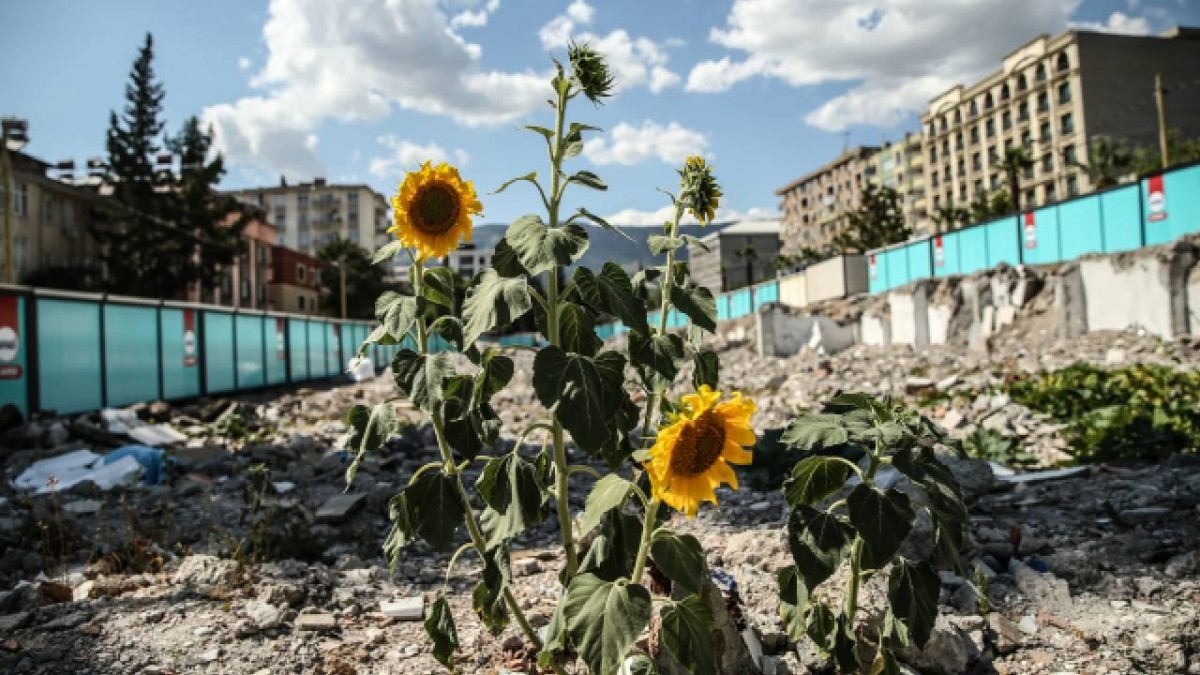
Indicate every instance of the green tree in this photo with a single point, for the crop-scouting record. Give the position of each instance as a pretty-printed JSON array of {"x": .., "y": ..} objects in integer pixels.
[
  {"x": 1109, "y": 160},
  {"x": 1016, "y": 161},
  {"x": 748, "y": 255},
  {"x": 364, "y": 281},
  {"x": 988, "y": 205},
  {"x": 1180, "y": 150},
  {"x": 950, "y": 217},
  {"x": 877, "y": 222}
]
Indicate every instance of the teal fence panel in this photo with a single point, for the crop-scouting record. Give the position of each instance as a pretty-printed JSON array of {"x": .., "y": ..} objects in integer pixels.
[
  {"x": 251, "y": 351},
  {"x": 920, "y": 265},
  {"x": 766, "y": 294},
  {"x": 876, "y": 272},
  {"x": 739, "y": 303},
  {"x": 316, "y": 349},
  {"x": 69, "y": 367},
  {"x": 1002, "y": 243},
  {"x": 946, "y": 258},
  {"x": 972, "y": 250},
  {"x": 1040, "y": 236},
  {"x": 130, "y": 354},
  {"x": 298, "y": 349},
  {"x": 219, "y": 362},
  {"x": 1171, "y": 204},
  {"x": 1122, "y": 219},
  {"x": 349, "y": 342},
  {"x": 14, "y": 341},
  {"x": 180, "y": 365},
  {"x": 1080, "y": 227},
  {"x": 897, "y": 267},
  {"x": 275, "y": 328},
  {"x": 722, "y": 308},
  {"x": 333, "y": 349},
  {"x": 606, "y": 330}
]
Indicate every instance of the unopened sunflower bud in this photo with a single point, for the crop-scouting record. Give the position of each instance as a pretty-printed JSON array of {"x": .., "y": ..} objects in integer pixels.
[
  {"x": 699, "y": 191},
  {"x": 591, "y": 72}
]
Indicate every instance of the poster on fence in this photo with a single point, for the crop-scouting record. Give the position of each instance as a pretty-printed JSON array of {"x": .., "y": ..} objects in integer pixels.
[
  {"x": 939, "y": 253},
  {"x": 10, "y": 339},
  {"x": 189, "y": 338},
  {"x": 1156, "y": 198},
  {"x": 1030, "y": 231},
  {"x": 280, "y": 343},
  {"x": 871, "y": 265}
]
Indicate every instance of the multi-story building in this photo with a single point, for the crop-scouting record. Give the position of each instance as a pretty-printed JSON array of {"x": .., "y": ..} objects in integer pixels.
[
  {"x": 245, "y": 283},
  {"x": 310, "y": 215},
  {"x": 815, "y": 206},
  {"x": 466, "y": 261},
  {"x": 737, "y": 255},
  {"x": 295, "y": 284},
  {"x": 901, "y": 167},
  {"x": 50, "y": 220},
  {"x": 1051, "y": 96}
]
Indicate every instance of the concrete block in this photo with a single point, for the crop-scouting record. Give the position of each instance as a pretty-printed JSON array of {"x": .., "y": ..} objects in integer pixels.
[
  {"x": 875, "y": 330},
  {"x": 939, "y": 324},
  {"x": 1005, "y": 316},
  {"x": 910, "y": 316},
  {"x": 780, "y": 334},
  {"x": 316, "y": 622},
  {"x": 1145, "y": 289},
  {"x": 1193, "y": 299},
  {"x": 338, "y": 508},
  {"x": 404, "y": 609}
]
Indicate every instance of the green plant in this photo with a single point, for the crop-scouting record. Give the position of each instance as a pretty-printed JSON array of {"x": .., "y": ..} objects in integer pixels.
[
  {"x": 856, "y": 434},
  {"x": 1133, "y": 413},
  {"x": 604, "y": 605},
  {"x": 996, "y": 447}
]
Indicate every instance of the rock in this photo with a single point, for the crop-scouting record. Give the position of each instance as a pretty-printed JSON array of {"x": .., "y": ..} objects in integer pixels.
[
  {"x": 1145, "y": 514},
  {"x": 1114, "y": 356},
  {"x": 974, "y": 476},
  {"x": 1006, "y": 634},
  {"x": 56, "y": 434},
  {"x": 405, "y": 609},
  {"x": 10, "y": 418},
  {"x": 207, "y": 573},
  {"x": 946, "y": 383},
  {"x": 12, "y": 622},
  {"x": 1044, "y": 590},
  {"x": 1028, "y": 625},
  {"x": 24, "y": 596},
  {"x": 733, "y": 656},
  {"x": 339, "y": 508},
  {"x": 523, "y": 567},
  {"x": 263, "y": 615},
  {"x": 917, "y": 385},
  {"x": 952, "y": 420},
  {"x": 949, "y": 650},
  {"x": 316, "y": 622}
]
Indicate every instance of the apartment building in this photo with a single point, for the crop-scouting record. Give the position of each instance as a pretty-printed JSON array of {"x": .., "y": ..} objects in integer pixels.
[
  {"x": 295, "y": 284},
  {"x": 737, "y": 255},
  {"x": 901, "y": 167},
  {"x": 815, "y": 206},
  {"x": 245, "y": 283},
  {"x": 467, "y": 260},
  {"x": 310, "y": 215},
  {"x": 1051, "y": 96}
]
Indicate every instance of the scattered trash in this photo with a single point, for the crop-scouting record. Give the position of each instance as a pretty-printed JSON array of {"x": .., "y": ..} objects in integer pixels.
[
  {"x": 283, "y": 487},
  {"x": 124, "y": 466},
  {"x": 151, "y": 460},
  {"x": 361, "y": 370},
  {"x": 1040, "y": 476},
  {"x": 405, "y": 609}
]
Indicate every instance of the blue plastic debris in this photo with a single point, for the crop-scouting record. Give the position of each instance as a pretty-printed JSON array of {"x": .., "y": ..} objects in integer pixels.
[{"x": 151, "y": 460}]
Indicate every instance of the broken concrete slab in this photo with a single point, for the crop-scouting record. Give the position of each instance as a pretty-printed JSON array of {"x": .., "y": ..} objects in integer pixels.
[
  {"x": 405, "y": 609},
  {"x": 319, "y": 622},
  {"x": 340, "y": 507}
]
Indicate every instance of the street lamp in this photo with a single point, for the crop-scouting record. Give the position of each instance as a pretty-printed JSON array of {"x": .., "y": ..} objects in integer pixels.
[{"x": 15, "y": 134}]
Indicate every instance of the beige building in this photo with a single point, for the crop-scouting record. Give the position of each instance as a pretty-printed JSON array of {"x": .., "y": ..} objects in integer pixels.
[
  {"x": 50, "y": 221},
  {"x": 310, "y": 215},
  {"x": 815, "y": 206},
  {"x": 1051, "y": 96},
  {"x": 901, "y": 167},
  {"x": 244, "y": 284},
  {"x": 738, "y": 255}
]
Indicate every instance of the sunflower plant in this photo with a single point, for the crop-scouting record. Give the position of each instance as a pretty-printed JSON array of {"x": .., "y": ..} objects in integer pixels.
[{"x": 670, "y": 452}]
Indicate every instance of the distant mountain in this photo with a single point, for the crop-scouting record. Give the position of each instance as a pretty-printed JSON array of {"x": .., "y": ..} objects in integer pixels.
[{"x": 605, "y": 245}]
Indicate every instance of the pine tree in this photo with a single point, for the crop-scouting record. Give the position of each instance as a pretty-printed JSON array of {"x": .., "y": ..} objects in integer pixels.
[{"x": 877, "y": 222}]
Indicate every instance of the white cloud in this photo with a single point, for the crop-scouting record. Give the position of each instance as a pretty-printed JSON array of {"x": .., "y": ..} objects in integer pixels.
[
  {"x": 630, "y": 144},
  {"x": 896, "y": 54},
  {"x": 406, "y": 156},
  {"x": 1118, "y": 22},
  {"x": 637, "y": 218},
  {"x": 635, "y": 62},
  {"x": 359, "y": 59},
  {"x": 244, "y": 63},
  {"x": 469, "y": 19}
]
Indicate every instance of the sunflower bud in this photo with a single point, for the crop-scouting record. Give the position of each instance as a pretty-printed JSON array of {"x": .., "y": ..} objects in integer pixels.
[
  {"x": 591, "y": 71},
  {"x": 699, "y": 191}
]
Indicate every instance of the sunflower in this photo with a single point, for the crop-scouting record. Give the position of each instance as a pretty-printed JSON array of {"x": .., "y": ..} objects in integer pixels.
[
  {"x": 700, "y": 193},
  {"x": 692, "y": 454},
  {"x": 432, "y": 210}
]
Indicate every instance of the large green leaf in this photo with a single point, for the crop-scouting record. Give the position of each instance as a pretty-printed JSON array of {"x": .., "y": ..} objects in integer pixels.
[
  {"x": 421, "y": 376},
  {"x": 397, "y": 313},
  {"x": 387, "y": 251},
  {"x": 488, "y": 597},
  {"x": 613, "y": 551},
  {"x": 845, "y": 645},
  {"x": 660, "y": 244},
  {"x": 369, "y": 428},
  {"x": 687, "y": 633},
  {"x": 435, "y": 508},
  {"x": 403, "y": 531},
  {"x": 589, "y": 179},
  {"x": 883, "y": 519},
  {"x": 531, "y": 177},
  {"x": 698, "y": 304},
  {"x": 821, "y": 625},
  {"x": 913, "y": 590},
  {"x": 607, "y": 494},
  {"x": 611, "y": 291},
  {"x": 494, "y": 301},
  {"x": 438, "y": 286},
  {"x": 659, "y": 354},
  {"x": 706, "y": 369},
  {"x": 539, "y": 248},
  {"x": 577, "y": 329},
  {"x": 604, "y": 618},
  {"x": 812, "y": 432},
  {"x": 505, "y": 261},
  {"x": 814, "y": 478},
  {"x": 680, "y": 557},
  {"x": 588, "y": 215},
  {"x": 583, "y": 391},
  {"x": 793, "y": 599},
  {"x": 495, "y": 372},
  {"x": 439, "y": 625},
  {"x": 511, "y": 486},
  {"x": 818, "y": 542}
]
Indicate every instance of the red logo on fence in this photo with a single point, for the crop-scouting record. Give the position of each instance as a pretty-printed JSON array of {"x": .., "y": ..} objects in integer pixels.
[
  {"x": 1156, "y": 199},
  {"x": 10, "y": 338},
  {"x": 1030, "y": 231},
  {"x": 189, "y": 338},
  {"x": 280, "y": 344},
  {"x": 871, "y": 264},
  {"x": 939, "y": 253}
]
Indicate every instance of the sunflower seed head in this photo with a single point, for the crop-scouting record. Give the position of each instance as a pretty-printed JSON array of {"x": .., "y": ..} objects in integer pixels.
[
  {"x": 591, "y": 72},
  {"x": 699, "y": 191}
]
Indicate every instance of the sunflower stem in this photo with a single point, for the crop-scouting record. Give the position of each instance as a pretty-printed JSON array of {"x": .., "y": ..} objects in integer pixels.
[
  {"x": 639, "y": 566},
  {"x": 652, "y": 401},
  {"x": 850, "y": 609}
]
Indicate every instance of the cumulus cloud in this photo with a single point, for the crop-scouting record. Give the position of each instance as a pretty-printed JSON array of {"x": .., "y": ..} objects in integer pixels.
[
  {"x": 405, "y": 155},
  {"x": 359, "y": 60},
  {"x": 633, "y": 144},
  {"x": 637, "y": 218},
  {"x": 1117, "y": 22},
  {"x": 897, "y": 54},
  {"x": 636, "y": 61}
]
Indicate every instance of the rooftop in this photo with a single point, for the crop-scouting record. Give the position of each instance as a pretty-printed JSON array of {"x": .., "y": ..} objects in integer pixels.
[
  {"x": 746, "y": 227},
  {"x": 861, "y": 152}
]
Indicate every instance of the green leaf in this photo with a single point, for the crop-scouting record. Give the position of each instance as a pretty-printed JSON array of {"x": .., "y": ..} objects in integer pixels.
[
  {"x": 435, "y": 508},
  {"x": 845, "y": 646},
  {"x": 706, "y": 369},
  {"x": 420, "y": 376},
  {"x": 822, "y": 626},
  {"x": 402, "y": 533},
  {"x": 505, "y": 261},
  {"x": 397, "y": 313},
  {"x": 814, "y": 432},
  {"x": 815, "y": 478},
  {"x": 818, "y": 542},
  {"x": 540, "y": 248},
  {"x": 554, "y": 640},
  {"x": 572, "y": 149},
  {"x": 546, "y": 133},
  {"x": 583, "y": 391},
  {"x": 439, "y": 625},
  {"x": 913, "y": 590},
  {"x": 493, "y": 302},
  {"x": 584, "y": 213},
  {"x": 680, "y": 557},
  {"x": 640, "y": 664},
  {"x": 369, "y": 428},
  {"x": 438, "y": 286},
  {"x": 589, "y": 179},
  {"x": 604, "y": 618},
  {"x": 698, "y": 304},
  {"x": 660, "y": 244},
  {"x": 611, "y": 291},
  {"x": 387, "y": 251},
  {"x": 488, "y": 596},
  {"x": 577, "y": 329},
  {"x": 607, "y": 494},
  {"x": 531, "y": 177},
  {"x": 687, "y": 633},
  {"x": 696, "y": 241},
  {"x": 495, "y": 372},
  {"x": 793, "y": 600},
  {"x": 614, "y": 548},
  {"x": 883, "y": 519},
  {"x": 660, "y": 354},
  {"x": 512, "y": 488}
]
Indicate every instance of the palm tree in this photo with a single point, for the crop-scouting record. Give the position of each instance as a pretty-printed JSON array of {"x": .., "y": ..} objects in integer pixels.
[
  {"x": 950, "y": 217},
  {"x": 1109, "y": 160},
  {"x": 1016, "y": 161},
  {"x": 749, "y": 256}
]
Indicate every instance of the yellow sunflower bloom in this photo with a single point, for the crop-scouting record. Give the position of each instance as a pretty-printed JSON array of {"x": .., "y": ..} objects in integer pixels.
[
  {"x": 692, "y": 455},
  {"x": 432, "y": 210}
]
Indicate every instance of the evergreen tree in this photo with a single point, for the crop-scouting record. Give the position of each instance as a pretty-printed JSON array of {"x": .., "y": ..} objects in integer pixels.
[{"x": 877, "y": 222}]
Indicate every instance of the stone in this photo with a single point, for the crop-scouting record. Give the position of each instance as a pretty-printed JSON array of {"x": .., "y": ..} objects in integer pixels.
[
  {"x": 523, "y": 567},
  {"x": 1145, "y": 514},
  {"x": 320, "y": 622},
  {"x": 12, "y": 622},
  {"x": 263, "y": 615},
  {"x": 206, "y": 572},
  {"x": 338, "y": 508},
  {"x": 1028, "y": 625},
  {"x": 406, "y": 609},
  {"x": 946, "y": 383},
  {"x": 1008, "y": 637},
  {"x": 952, "y": 420},
  {"x": 949, "y": 650}
]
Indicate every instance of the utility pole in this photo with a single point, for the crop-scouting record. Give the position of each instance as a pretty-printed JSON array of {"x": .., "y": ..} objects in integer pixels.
[
  {"x": 6, "y": 187},
  {"x": 1160, "y": 93}
]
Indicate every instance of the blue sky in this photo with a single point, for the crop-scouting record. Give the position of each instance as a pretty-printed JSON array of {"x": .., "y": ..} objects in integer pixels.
[{"x": 360, "y": 90}]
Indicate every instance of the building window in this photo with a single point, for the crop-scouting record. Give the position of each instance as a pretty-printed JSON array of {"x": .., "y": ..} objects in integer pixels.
[
  {"x": 1047, "y": 163},
  {"x": 1046, "y": 132},
  {"x": 987, "y": 101},
  {"x": 1072, "y": 185},
  {"x": 944, "y": 126},
  {"x": 245, "y": 290},
  {"x": 976, "y": 162},
  {"x": 1006, "y": 120},
  {"x": 974, "y": 134},
  {"x": 1043, "y": 102},
  {"x": 978, "y": 186},
  {"x": 962, "y": 193},
  {"x": 1023, "y": 112},
  {"x": 1064, "y": 92},
  {"x": 995, "y": 181},
  {"x": 1069, "y": 157},
  {"x": 932, "y": 155},
  {"x": 1022, "y": 83},
  {"x": 1063, "y": 62},
  {"x": 1004, "y": 92},
  {"x": 300, "y": 272},
  {"x": 1040, "y": 73},
  {"x": 990, "y": 128},
  {"x": 957, "y": 117},
  {"x": 20, "y": 199},
  {"x": 1026, "y": 139},
  {"x": 946, "y": 146},
  {"x": 962, "y": 168},
  {"x": 1050, "y": 196},
  {"x": 973, "y": 109},
  {"x": 68, "y": 217},
  {"x": 300, "y": 302},
  {"x": 280, "y": 217},
  {"x": 935, "y": 179},
  {"x": 992, "y": 156},
  {"x": 1068, "y": 124},
  {"x": 958, "y": 141}
]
